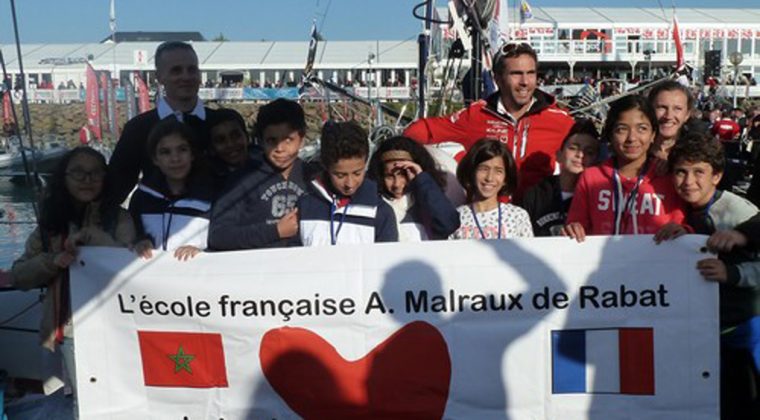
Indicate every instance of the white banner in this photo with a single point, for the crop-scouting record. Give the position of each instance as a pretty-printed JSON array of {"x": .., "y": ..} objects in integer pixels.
[
  {"x": 520, "y": 329},
  {"x": 383, "y": 92}
]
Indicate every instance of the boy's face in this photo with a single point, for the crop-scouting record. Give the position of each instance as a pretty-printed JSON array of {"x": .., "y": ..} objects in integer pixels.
[
  {"x": 281, "y": 145},
  {"x": 346, "y": 175},
  {"x": 695, "y": 182},
  {"x": 230, "y": 143},
  {"x": 579, "y": 152}
]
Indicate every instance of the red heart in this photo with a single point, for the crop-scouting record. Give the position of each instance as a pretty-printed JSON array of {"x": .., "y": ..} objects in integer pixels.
[{"x": 405, "y": 376}]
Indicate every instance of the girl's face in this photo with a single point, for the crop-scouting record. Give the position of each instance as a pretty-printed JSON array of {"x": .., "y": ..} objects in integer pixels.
[
  {"x": 174, "y": 157},
  {"x": 84, "y": 178},
  {"x": 632, "y": 135},
  {"x": 394, "y": 179},
  {"x": 490, "y": 178}
]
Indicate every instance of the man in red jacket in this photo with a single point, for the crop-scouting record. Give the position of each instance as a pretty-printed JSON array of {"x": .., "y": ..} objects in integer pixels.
[{"x": 527, "y": 120}]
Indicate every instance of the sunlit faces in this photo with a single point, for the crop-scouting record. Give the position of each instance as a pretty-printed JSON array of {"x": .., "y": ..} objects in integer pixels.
[
  {"x": 695, "y": 182},
  {"x": 579, "y": 152},
  {"x": 490, "y": 178},
  {"x": 281, "y": 145},
  {"x": 229, "y": 143},
  {"x": 395, "y": 179},
  {"x": 84, "y": 178},
  {"x": 631, "y": 136},
  {"x": 346, "y": 175},
  {"x": 672, "y": 109},
  {"x": 518, "y": 82},
  {"x": 174, "y": 157},
  {"x": 178, "y": 72}
]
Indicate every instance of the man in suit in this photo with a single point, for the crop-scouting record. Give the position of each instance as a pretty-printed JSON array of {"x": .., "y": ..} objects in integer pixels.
[{"x": 177, "y": 71}]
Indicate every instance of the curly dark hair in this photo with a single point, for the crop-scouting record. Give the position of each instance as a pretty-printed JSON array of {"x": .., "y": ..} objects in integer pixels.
[
  {"x": 420, "y": 156},
  {"x": 58, "y": 210},
  {"x": 277, "y": 112},
  {"x": 483, "y": 150},
  {"x": 624, "y": 104},
  {"x": 695, "y": 147},
  {"x": 342, "y": 140}
]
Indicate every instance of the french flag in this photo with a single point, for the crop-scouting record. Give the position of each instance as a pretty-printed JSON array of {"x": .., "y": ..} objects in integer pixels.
[{"x": 603, "y": 361}]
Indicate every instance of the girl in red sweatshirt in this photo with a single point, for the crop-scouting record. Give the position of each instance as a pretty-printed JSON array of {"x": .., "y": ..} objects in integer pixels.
[{"x": 624, "y": 195}]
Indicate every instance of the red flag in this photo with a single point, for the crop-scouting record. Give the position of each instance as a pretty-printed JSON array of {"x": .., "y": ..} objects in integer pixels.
[
  {"x": 92, "y": 104},
  {"x": 143, "y": 98},
  {"x": 182, "y": 359},
  {"x": 679, "y": 47},
  {"x": 7, "y": 113}
]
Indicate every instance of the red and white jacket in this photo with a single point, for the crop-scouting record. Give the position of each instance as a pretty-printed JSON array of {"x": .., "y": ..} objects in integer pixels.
[
  {"x": 533, "y": 139},
  {"x": 593, "y": 205}
]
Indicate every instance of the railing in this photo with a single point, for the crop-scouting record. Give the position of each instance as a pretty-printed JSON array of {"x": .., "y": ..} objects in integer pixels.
[
  {"x": 223, "y": 94},
  {"x": 618, "y": 50},
  {"x": 268, "y": 94}
]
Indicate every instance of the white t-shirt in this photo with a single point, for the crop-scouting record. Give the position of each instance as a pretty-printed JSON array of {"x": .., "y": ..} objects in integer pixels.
[{"x": 515, "y": 223}]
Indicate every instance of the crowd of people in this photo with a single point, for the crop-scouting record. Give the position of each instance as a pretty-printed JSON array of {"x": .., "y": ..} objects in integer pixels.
[{"x": 528, "y": 169}]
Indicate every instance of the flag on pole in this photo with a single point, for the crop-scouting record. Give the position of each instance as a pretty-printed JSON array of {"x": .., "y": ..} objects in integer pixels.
[
  {"x": 143, "y": 97},
  {"x": 312, "y": 48},
  {"x": 182, "y": 359},
  {"x": 129, "y": 90},
  {"x": 7, "y": 117},
  {"x": 106, "y": 102},
  {"x": 113, "y": 107},
  {"x": 92, "y": 103},
  {"x": 525, "y": 11},
  {"x": 679, "y": 46},
  {"x": 608, "y": 361},
  {"x": 112, "y": 18},
  {"x": 498, "y": 30}
]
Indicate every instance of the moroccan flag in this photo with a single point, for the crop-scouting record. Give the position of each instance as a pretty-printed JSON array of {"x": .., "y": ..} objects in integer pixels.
[
  {"x": 182, "y": 359},
  {"x": 679, "y": 45},
  {"x": 92, "y": 103}
]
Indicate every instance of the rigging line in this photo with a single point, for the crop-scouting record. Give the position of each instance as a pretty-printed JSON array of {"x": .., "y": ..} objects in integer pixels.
[
  {"x": 28, "y": 175},
  {"x": 662, "y": 8},
  {"x": 323, "y": 15},
  {"x": 19, "y": 313},
  {"x": 357, "y": 65},
  {"x": 25, "y": 108}
]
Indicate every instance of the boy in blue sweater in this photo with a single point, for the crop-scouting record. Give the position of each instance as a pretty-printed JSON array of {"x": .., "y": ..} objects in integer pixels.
[
  {"x": 342, "y": 207},
  {"x": 258, "y": 208}
]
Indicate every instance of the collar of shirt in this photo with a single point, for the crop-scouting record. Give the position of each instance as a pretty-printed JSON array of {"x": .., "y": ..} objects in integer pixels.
[
  {"x": 164, "y": 110},
  {"x": 501, "y": 109}
]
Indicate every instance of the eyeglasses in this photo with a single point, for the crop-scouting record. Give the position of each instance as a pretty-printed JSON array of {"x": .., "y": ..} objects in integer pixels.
[
  {"x": 80, "y": 176},
  {"x": 513, "y": 49}
]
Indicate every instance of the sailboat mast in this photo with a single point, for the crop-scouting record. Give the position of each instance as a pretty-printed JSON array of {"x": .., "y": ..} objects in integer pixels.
[{"x": 423, "y": 42}]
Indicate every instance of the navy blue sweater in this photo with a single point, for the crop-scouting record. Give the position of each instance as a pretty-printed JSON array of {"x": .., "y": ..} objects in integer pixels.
[
  {"x": 366, "y": 219},
  {"x": 245, "y": 216}
]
